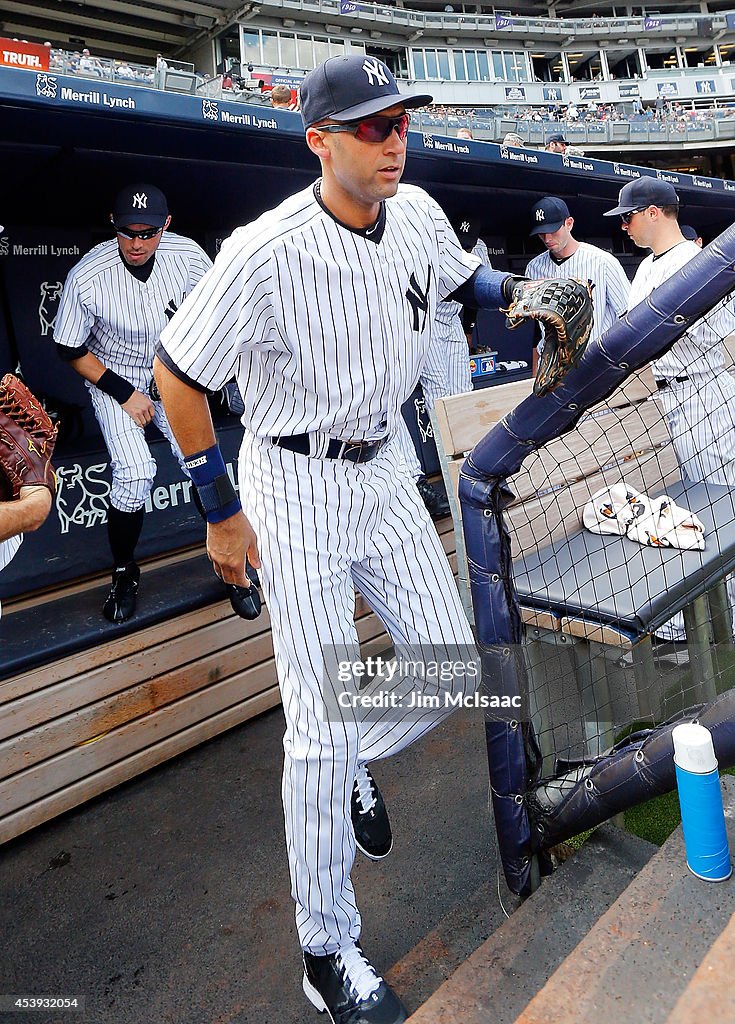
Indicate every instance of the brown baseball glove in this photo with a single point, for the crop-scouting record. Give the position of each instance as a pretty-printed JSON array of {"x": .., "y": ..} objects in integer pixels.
[
  {"x": 27, "y": 439},
  {"x": 564, "y": 306}
]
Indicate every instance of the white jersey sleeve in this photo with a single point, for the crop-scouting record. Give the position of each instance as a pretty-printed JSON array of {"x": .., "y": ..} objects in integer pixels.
[
  {"x": 199, "y": 264},
  {"x": 74, "y": 319},
  {"x": 229, "y": 311}
]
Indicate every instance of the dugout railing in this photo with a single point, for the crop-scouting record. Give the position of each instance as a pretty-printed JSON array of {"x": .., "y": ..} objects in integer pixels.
[{"x": 574, "y": 622}]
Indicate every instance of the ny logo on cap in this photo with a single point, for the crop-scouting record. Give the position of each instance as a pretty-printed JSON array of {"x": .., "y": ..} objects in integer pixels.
[
  {"x": 140, "y": 201},
  {"x": 375, "y": 72},
  {"x": 540, "y": 215},
  {"x": 464, "y": 226}
]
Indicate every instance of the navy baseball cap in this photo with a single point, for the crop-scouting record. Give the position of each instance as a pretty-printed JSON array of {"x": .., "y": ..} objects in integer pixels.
[
  {"x": 557, "y": 138},
  {"x": 689, "y": 232},
  {"x": 548, "y": 215},
  {"x": 642, "y": 193},
  {"x": 140, "y": 204},
  {"x": 350, "y": 88}
]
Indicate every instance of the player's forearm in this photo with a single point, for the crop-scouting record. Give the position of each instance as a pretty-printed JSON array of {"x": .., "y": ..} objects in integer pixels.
[
  {"x": 26, "y": 514},
  {"x": 486, "y": 289},
  {"x": 187, "y": 410},
  {"x": 89, "y": 367}
]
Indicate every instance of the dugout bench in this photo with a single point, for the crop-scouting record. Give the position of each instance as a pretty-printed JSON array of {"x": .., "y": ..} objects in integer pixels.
[{"x": 591, "y": 603}]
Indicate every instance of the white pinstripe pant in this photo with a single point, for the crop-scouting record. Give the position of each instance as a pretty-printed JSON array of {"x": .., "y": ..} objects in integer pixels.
[
  {"x": 700, "y": 414},
  {"x": 446, "y": 371},
  {"x": 325, "y": 527},
  {"x": 132, "y": 465}
]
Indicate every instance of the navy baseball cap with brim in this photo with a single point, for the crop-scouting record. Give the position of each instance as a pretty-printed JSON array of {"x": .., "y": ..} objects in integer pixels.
[
  {"x": 690, "y": 233},
  {"x": 140, "y": 204},
  {"x": 351, "y": 88},
  {"x": 557, "y": 138},
  {"x": 548, "y": 215},
  {"x": 642, "y": 193}
]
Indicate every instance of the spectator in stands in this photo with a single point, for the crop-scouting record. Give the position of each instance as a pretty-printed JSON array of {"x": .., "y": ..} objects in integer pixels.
[
  {"x": 514, "y": 140},
  {"x": 691, "y": 234},
  {"x": 123, "y": 70},
  {"x": 465, "y": 133},
  {"x": 159, "y": 78},
  {"x": 556, "y": 144},
  {"x": 281, "y": 97},
  {"x": 89, "y": 65}
]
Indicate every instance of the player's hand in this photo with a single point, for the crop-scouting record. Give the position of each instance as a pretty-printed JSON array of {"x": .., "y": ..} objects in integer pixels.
[
  {"x": 229, "y": 543},
  {"x": 140, "y": 408}
]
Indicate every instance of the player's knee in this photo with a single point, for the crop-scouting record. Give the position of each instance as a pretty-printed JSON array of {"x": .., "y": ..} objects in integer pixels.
[{"x": 131, "y": 485}]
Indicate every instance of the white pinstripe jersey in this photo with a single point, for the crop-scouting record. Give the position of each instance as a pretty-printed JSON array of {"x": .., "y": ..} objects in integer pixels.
[
  {"x": 590, "y": 263},
  {"x": 446, "y": 312},
  {"x": 326, "y": 327},
  {"x": 117, "y": 316},
  {"x": 699, "y": 350}
]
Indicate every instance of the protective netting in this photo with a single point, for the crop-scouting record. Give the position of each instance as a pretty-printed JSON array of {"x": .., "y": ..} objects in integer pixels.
[{"x": 600, "y": 531}]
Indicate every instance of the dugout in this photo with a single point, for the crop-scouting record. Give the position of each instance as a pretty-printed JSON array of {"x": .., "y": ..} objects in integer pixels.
[{"x": 66, "y": 148}]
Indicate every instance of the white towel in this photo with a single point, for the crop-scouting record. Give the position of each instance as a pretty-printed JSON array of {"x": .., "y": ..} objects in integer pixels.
[{"x": 654, "y": 522}]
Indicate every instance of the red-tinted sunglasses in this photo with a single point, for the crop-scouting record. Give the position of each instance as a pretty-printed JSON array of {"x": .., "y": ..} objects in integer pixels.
[{"x": 372, "y": 129}]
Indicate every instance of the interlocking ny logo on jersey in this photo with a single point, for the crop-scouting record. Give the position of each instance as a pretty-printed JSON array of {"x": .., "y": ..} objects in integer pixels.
[
  {"x": 418, "y": 300},
  {"x": 375, "y": 72},
  {"x": 140, "y": 201}
]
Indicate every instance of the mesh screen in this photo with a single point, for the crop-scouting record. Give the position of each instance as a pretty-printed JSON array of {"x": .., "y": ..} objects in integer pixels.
[{"x": 605, "y": 635}]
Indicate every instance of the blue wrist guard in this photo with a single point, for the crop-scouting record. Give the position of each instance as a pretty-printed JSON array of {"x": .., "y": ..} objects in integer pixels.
[{"x": 209, "y": 476}]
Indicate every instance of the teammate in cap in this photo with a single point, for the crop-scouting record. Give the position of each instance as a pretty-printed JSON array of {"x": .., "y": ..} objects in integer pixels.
[
  {"x": 564, "y": 256},
  {"x": 691, "y": 234},
  {"x": 325, "y": 308},
  {"x": 115, "y": 302},
  {"x": 446, "y": 372},
  {"x": 696, "y": 391}
]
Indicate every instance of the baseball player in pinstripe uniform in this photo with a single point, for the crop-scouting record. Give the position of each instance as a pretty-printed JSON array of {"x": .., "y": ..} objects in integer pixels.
[
  {"x": 446, "y": 371},
  {"x": 115, "y": 302},
  {"x": 564, "y": 256},
  {"x": 696, "y": 391},
  {"x": 324, "y": 307}
]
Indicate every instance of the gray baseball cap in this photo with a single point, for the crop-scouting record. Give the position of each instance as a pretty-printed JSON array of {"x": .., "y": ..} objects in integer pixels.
[{"x": 350, "y": 88}]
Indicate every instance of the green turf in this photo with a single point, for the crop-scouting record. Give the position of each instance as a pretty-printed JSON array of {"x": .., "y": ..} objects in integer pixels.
[{"x": 656, "y": 819}]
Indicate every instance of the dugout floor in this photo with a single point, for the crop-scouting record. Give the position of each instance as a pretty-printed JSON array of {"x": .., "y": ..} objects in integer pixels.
[{"x": 167, "y": 900}]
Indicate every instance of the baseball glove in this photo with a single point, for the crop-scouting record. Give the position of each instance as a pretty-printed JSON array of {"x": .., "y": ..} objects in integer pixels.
[
  {"x": 564, "y": 306},
  {"x": 27, "y": 439}
]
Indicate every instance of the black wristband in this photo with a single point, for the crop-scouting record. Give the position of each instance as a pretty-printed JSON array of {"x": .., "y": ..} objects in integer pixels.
[
  {"x": 509, "y": 284},
  {"x": 115, "y": 386}
]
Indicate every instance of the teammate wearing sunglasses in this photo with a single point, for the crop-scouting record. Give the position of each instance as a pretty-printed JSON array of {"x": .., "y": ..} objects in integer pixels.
[
  {"x": 115, "y": 302},
  {"x": 324, "y": 309}
]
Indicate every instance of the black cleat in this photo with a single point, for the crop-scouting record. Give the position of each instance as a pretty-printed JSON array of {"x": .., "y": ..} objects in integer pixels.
[
  {"x": 436, "y": 503},
  {"x": 373, "y": 834},
  {"x": 345, "y": 986},
  {"x": 120, "y": 603},
  {"x": 245, "y": 601}
]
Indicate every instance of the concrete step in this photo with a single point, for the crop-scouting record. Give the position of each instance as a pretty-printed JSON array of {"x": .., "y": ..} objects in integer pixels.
[
  {"x": 710, "y": 995},
  {"x": 498, "y": 979},
  {"x": 645, "y": 950}
]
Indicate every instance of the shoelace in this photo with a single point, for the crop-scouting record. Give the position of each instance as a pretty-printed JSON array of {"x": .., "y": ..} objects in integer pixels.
[
  {"x": 364, "y": 787},
  {"x": 358, "y": 973}
]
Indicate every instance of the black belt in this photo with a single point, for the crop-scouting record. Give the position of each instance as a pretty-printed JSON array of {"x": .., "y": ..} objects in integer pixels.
[
  {"x": 352, "y": 451},
  {"x": 664, "y": 383}
]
